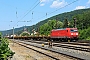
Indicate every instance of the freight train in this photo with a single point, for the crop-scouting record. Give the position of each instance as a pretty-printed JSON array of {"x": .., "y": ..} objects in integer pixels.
[{"x": 65, "y": 34}]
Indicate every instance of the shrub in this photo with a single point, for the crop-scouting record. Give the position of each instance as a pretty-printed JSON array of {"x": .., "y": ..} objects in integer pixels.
[{"x": 5, "y": 51}]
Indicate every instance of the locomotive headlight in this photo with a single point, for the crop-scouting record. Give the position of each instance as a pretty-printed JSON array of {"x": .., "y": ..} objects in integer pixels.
[
  {"x": 76, "y": 33},
  {"x": 71, "y": 33}
]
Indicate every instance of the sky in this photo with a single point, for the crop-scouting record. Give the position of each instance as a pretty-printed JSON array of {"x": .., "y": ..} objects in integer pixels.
[{"x": 18, "y": 13}]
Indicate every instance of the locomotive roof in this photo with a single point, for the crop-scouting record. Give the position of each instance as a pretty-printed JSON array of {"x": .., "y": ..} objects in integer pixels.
[
  {"x": 60, "y": 29},
  {"x": 63, "y": 29}
]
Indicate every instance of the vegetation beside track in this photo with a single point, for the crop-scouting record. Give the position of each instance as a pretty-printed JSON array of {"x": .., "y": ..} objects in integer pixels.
[
  {"x": 82, "y": 23},
  {"x": 5, "y": 51},
  {"x": 84, "y": 34}
]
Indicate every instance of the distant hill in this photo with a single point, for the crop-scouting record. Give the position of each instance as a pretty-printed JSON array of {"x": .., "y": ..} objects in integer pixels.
[
  {"x": 16, "y": 30},
  {"x": 60, "y": 17}
]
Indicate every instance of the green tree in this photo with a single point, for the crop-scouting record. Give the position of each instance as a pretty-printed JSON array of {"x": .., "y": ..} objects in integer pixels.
[
  {"x": 5, "y": 51},
  {"x": 25, "y": 34},
  {"x": 83, "y": 20},
  {"x": 84, "y": 34},
  {"x": 46, "y": 28},
  {"x": 65, "y": 23}
]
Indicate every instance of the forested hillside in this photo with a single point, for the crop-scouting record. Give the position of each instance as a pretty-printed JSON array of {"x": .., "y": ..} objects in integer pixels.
[{"x": 82, "y": 23}]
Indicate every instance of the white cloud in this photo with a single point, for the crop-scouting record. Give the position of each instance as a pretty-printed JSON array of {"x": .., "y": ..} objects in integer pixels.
[
  {"x": 80, "y": 7},
  {"x": 43, "y": 2},
  {"x": 58, "y": 4},
  {"x": 88, "y": 2}
]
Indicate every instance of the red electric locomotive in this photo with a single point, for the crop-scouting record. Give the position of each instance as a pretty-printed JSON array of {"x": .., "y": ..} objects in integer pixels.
[{"x": 64, "y": 34}]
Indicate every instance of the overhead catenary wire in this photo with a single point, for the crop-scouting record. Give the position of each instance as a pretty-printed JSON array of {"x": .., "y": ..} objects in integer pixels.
[
  {"x": 59, "y": 9},
  {"x": 30, "y": 10},
  {"x": 64, "y": 6},
  {"x": 46, "y": 13}
]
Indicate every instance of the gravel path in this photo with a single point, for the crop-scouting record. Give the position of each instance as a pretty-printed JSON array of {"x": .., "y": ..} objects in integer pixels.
[{"x": 22, "y": 53}]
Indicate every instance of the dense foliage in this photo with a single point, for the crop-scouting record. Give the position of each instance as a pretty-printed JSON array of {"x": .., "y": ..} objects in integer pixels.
[
  {"x": 65, "y": 23},
  {"x": 25, "y": 34},
  {"x": 47, "y": 27},
  {"x": 84, "y": 34},
  {"x": 83, "y": 24},
  {"x": 5, "y": 51}
]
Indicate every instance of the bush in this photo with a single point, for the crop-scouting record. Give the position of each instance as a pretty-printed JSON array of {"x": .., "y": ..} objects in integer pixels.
[
  {"x": 25, "y": 34},
  {"x": 84, "y": 34},
  {"x": 88, "y": 38},
  {"x": 5, "y": 51}
]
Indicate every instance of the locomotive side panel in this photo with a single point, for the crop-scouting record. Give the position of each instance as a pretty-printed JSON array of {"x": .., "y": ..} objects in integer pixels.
[
  {"x": 59, "y": 34},
  {"x": 64, "y": 34}
]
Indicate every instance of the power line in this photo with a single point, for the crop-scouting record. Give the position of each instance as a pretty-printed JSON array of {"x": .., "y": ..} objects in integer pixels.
[
  {"x": 59, "y": 8},
  {"x": 31, "y": 10},
  {"x": 46, "y": 13},
  {"x": 64, "y": 6},
  {"x": 30, "y": 7}
]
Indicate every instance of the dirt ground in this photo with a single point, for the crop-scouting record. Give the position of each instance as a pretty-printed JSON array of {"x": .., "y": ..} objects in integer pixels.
[{"x": 22, "y": 53}]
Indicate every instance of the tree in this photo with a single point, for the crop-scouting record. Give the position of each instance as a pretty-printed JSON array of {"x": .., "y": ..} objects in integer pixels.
[
  {"x": 5, "y": 51},
  {"x": 65, "y": 23},
  {"x": 25, "y": 34},
  {"x": 47, "y": 27}
]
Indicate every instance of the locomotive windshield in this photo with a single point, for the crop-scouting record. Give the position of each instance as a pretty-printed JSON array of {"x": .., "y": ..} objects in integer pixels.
[{"x": 73, "y": 30}]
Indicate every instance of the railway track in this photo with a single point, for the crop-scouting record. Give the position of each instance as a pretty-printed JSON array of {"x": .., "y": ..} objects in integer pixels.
[
  {"x": 77, "y": 43},
  {"x": 49, "y": 55},
  {"x": 75, "y": 46},
  {"x": 49, "y": 50},
  {"x": 38, "y": 51}
]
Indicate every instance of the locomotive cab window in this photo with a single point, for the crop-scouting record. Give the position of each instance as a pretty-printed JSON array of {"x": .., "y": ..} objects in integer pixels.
[{"x": 73, "y": 30}]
